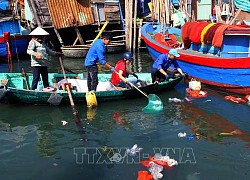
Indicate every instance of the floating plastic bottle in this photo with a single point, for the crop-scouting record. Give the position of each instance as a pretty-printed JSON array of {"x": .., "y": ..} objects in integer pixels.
[
  {"x": 182, "y": 134},
  {"x": 176, "y": 100},
  {"x": 191, "y": 137}
]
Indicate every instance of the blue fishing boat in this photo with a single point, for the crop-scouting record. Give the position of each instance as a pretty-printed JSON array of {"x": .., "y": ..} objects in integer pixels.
[
  {"x": 222, "y": 61},
  {"x": 14, "y": 38}
]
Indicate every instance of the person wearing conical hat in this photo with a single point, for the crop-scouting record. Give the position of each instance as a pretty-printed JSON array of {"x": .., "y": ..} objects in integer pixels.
[{"x": 39, "y": 53}]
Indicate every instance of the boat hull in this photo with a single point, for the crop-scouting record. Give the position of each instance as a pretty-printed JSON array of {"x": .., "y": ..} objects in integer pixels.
[
  {"x": 228, "y": 74},
  {"x": 22, "y": 95},
  {"x": 75, "y": 51},
  {"x": 18, "y": 45},
  {"x": 80, "y": 51}
]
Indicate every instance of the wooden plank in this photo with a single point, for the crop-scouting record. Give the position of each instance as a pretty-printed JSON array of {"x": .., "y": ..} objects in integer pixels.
[{"x": 79, "y": 35}]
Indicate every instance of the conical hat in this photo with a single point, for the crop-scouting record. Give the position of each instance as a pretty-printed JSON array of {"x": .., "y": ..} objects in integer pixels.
[{"x": 39, "y": 32}]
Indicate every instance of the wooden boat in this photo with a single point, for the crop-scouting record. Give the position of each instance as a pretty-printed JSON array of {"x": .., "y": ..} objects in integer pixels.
[
  {"x": 80, "y": 51},
  {"x": 226, "y": 67},
  {"x": 17, "y": 88},
  {"x": 75, "y": 51}
]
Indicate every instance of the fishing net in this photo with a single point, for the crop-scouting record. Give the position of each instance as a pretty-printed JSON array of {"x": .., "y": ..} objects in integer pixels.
[
  {"x": 154, "y": 104},
  {"x": 55, "y": 99}
]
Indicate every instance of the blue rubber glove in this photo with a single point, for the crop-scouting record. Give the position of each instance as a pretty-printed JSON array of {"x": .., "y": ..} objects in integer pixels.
[
  {"x": 184, "y": 76},
  {"x": 112, "y": 69},
  {"x": 167, "y": 77}
]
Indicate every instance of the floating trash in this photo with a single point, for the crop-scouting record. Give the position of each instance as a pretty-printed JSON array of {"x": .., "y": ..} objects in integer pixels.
[
  {"x": 133, "y": 150},
  {"x": 176, "y": 100},
  {"x": 182, "y": 134},
  {"x": 64, "y": 123}
]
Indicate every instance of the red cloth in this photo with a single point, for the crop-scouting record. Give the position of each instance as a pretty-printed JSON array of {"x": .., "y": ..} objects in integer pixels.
[
  {"x": 210, "y": 33},
  {"x": 120, "y": 65},
  {"x": 185, "y": 32},
  {"x": 195, "y": 33},
  {"x": 218, "y": 37}
]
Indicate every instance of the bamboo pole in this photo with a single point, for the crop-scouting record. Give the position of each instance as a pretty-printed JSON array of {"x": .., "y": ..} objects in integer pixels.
[
  {"x": 167, "y": 12},
  {"x": 135, "y": 15},
  {"x": 161, "y": 15},
  {"x": 130, "y": 24},
  {"x": 139, "y": 34},
  {"x": 127, "y": 23}
]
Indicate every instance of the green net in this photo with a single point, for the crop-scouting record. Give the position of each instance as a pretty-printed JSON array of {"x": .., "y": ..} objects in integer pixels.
[{"x": 154, "y": 104}]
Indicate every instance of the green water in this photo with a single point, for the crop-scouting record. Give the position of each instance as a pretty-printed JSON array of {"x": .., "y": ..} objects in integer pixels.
[{"x": 34, "y": 143}]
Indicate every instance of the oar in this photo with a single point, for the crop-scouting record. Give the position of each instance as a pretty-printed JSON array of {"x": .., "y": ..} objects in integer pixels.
[
  {"x": 131, "y": 84},
  {"x": 124, "y": 80},
  {"x": 154, "y": 102},
  {"x": 75, "y": 113},
  {"x": 25, "y": 78}
]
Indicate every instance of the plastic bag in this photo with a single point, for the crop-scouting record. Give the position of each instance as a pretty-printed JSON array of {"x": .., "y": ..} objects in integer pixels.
[
  {"x": 155, "y": 170},
  {"x": 133, "y": 150},
  {"x": 194, "y": 84}
]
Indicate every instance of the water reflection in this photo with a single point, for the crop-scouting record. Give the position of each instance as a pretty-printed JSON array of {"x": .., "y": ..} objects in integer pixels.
[
  {"x": 91, "y": 113},
  {"x": 119, "y": 118},
  {"x": 211, "y": 126}
]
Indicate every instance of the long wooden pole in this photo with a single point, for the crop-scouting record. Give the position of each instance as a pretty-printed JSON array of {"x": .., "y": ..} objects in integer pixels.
[
  {"x": 130, "y": 24},
  {"x": 75, "y": 113},
  {"x": 135, "y": 15},
  {"x": 25, "y": 78},
  {"x": 127, "y": 23}
]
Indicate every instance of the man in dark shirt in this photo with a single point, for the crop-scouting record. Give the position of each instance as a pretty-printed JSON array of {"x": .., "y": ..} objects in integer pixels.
[{"x": 162, "y": 63}]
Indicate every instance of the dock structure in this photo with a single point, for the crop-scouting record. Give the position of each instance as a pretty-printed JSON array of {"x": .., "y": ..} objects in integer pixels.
[{"x": 83, "y": 20}]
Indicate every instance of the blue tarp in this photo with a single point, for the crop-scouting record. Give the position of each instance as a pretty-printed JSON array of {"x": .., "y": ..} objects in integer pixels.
[
  {"x": 244, "y": 5},
  {"x": 4, "y": 4},
  {"x": 11, "y": 26}
]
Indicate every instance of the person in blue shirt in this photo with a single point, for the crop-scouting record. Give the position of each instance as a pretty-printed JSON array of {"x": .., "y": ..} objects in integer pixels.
[
  {"x": 95, "y": 55},
  {"x": 160, "y": 70}
]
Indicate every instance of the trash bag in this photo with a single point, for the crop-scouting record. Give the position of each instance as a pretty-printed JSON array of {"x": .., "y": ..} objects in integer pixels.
[{"x": 154, "y": 104}]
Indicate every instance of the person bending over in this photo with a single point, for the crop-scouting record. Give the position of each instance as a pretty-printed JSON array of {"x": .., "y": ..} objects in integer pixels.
[{"x": 160, "y": 70}]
